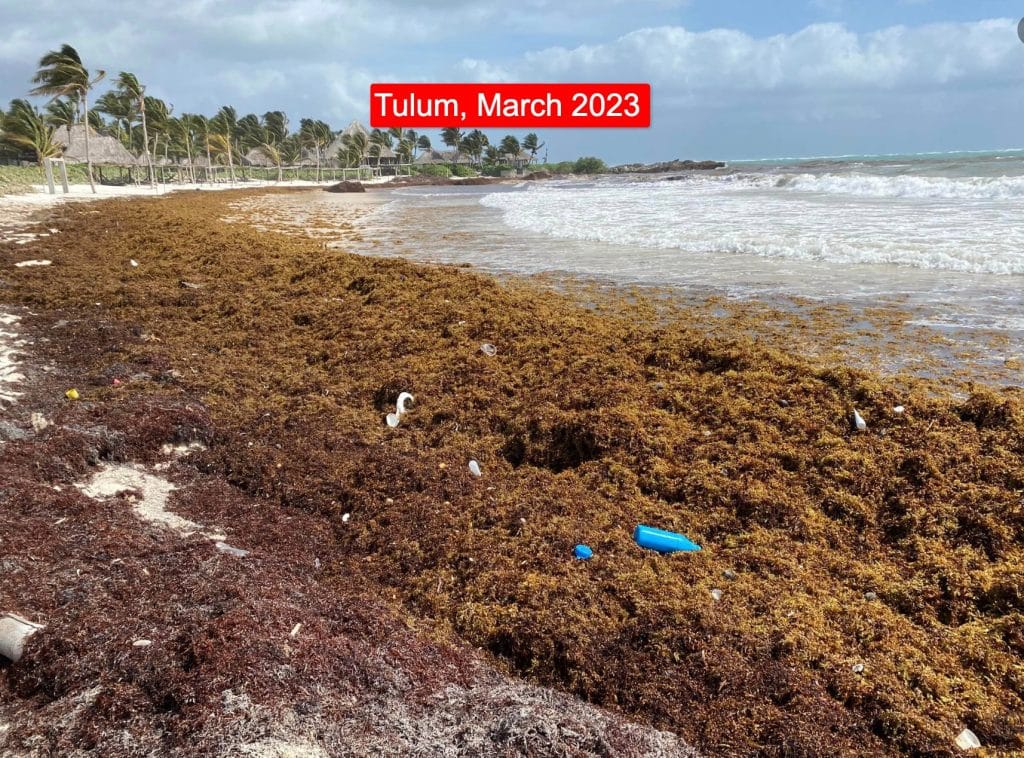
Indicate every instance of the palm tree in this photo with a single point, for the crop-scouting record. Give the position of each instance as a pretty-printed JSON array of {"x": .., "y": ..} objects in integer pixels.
[
  {"x": 61, "y": 74},
  {"x": 121, "y": 110},
  {"x": 531, "y": 143},
  {"x": 157, "y": 115},
  {"x": 273, "y": 135},
  {"x": 24, "y": 128},
  {"x": 185, "y": 129},
  {"x": 315, "y": 136},
  {"x": 61, "y": 112},
  {"x": 354, "y": 148},
  {"x": 509, "y": 147},
  {"x": 473, "y": 144},
  {"x": 130, "y": 89},
  {"x": 423, "y": 142},
  {"x": 223, "y": 128},
  {"x": 452, "y": 137}
]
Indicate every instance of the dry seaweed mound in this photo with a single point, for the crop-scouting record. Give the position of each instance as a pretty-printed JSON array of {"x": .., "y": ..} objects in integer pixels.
[{"x": 869, "y": 581}]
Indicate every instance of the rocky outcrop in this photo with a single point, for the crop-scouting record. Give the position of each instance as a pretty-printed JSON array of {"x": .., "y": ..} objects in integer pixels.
[
  {"x": 664, "y": 166},
  {"x": 346, "y": 186}
]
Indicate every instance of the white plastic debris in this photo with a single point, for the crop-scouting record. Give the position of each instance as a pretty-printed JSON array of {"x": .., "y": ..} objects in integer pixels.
[
  {"x": 488, "y": 349},
  {"x": 133, "y": 262},
  {"x": 142, "y": 643},
  {"x": 859, "y": 423},
  {"x": 871, "y": 596},
  {"x": 235, "y": 551},
  {"x": 39, "y": 422},
  {"x": 393, "y": 419},
  {"x": 345, "y": 517},
  {"x": 898, "y": 409},
  {"x": 26, "y": 264},
  {"x": 858, "y": 668},
  {"x": 729, "y": 574},
  {"x": 716, "y": 594},
  {"x": 474, "y": 468},
  {"x": 968, "y": 740},
  {"x": 295, "y": 630},
  {"x": 14, "y": 631}
]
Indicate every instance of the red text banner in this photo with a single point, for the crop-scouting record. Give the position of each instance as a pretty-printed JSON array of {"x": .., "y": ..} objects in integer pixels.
[{"x": 512, "y": 106}]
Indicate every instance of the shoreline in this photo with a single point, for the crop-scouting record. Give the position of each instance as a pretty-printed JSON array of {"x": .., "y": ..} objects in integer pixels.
[{"x": 285, "y": 356}]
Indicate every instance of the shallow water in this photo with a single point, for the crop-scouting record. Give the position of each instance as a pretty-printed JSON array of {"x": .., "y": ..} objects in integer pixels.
[{"x": 929, "y": 280}]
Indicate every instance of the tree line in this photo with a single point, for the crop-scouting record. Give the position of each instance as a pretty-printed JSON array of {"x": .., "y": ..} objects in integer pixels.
[{"x": 148, "y": 127}]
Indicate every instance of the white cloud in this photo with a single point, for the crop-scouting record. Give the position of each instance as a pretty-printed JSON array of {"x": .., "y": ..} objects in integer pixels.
[{"x": 821, "y": 57}]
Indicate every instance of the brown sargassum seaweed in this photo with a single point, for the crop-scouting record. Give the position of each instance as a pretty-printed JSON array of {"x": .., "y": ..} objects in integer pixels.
[{"x": 586, "y": 423}]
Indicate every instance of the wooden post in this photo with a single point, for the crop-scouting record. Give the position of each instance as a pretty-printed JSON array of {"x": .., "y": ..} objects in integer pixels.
[
  {"x": 64, "y": 176},
  {"x": 48, "y": 168}
]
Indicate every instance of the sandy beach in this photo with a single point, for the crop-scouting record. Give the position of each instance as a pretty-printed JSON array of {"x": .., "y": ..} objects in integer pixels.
[{"x": 857, "y": 591}]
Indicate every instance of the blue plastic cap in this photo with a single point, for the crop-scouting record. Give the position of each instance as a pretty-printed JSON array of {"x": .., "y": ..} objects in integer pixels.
[{"x": 582, "y": 552}]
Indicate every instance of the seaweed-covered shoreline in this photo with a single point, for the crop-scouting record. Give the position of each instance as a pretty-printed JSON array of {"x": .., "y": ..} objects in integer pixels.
[{"x": 898, "y": 549}]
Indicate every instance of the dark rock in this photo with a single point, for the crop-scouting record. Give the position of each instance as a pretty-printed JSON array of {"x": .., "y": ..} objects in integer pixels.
[
  {"x": 346, "y": 186},
  {"x": 666, "y": 166}
]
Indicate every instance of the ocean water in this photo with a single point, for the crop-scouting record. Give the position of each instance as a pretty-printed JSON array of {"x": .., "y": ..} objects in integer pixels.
[{"x": 940, "y": 236}]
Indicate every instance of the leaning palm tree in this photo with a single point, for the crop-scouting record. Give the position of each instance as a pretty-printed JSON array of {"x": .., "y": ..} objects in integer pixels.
[
  {"x": 423, "y": 142},
  {"x": 121, "y": 110},
  {"x": 509, "y": 147},
  {"x": 61, "y": 74},
  {"x": 354, "y": 148},
  {"x": 131, "y": 90},
  {"x": 531, "y": 143},
  {"x": 61, "y": 112},
  {"x": 223, "y": 126},
  {"x": 24, "y": 128}
]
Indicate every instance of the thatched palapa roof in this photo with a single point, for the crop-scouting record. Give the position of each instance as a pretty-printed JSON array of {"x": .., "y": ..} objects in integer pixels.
[
  {"x": 257, "y": 157},
  {"x": 103, "y": 149},
  {"x": 442, "y": 157}
]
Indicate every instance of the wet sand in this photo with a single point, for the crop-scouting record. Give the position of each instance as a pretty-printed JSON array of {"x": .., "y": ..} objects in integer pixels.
[{"x": 867, "y": 582}]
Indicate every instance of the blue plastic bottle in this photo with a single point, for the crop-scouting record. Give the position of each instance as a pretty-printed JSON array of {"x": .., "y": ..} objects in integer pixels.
[
  {"x": 582, "y": 552},
  {"x": 662, "y": 541}
]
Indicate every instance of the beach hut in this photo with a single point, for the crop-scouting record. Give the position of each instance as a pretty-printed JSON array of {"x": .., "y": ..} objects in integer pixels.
[
  {"x": 103, "y": 149},
  {"x": 443, "y": 158}
]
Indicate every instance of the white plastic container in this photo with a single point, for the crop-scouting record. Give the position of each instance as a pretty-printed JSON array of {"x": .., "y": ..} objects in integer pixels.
[{"x": 14, "y": 631}]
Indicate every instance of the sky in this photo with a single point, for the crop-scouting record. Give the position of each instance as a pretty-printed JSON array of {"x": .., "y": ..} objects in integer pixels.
[{"x": 730, "y": 80}]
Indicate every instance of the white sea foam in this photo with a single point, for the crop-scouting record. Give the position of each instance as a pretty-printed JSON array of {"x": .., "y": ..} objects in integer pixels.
[
  {"x": 968, "y": 225},
  {"x": 935, "y": 187}
]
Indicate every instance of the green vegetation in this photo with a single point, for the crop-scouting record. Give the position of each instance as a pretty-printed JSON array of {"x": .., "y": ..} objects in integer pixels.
[{"x": 190, "y": 147}]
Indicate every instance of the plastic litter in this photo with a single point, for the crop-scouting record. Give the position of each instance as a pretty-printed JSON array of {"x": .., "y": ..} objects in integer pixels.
[
  {"x": 898, "y": 409},
  {"x": 39, "y": 422},
  {"x": 858, "y": 668},
  {"x": 871, "y": 596},
  {"x": 71, "y": 394},
  {"x": 488, "y": 349},
  {"x": 662, "y": 541},
  {"x": 135, "y": 263},
  {"x": 859, "y": 423},
  {"x": 474, "y": 468},
  {"x": 716, "y": 594},
  {"x": 968, "y": 740},
  {"x": 235, "y": 551},
  {"x": 582, "y": 552},
  {"x": 393, "y": 419},
  {"x": 345, "y": 517},
  {"x": 14, "y": 631},
  {"x": 142, "y": 643},
  {"x": 729, "y": 574},
  {"x": 295, "y": 630}
]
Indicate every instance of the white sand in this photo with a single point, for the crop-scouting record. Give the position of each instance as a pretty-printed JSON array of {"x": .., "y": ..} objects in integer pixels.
[
  {"x": 10, "y": 370},
  {"x": 152, "y": 493}
]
